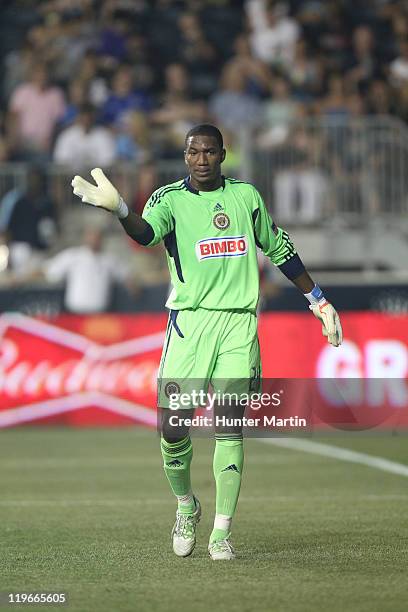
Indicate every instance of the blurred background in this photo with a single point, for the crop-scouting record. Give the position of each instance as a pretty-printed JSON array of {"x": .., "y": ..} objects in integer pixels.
[{"x": 312, "y": 99}]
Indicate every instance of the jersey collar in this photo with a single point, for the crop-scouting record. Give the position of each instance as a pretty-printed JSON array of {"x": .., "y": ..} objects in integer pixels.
[{"x": 190, "y": 188}]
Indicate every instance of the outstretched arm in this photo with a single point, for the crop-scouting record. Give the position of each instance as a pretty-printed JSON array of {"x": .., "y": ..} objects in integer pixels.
[
  {"x": 105, "y": 195},
  {"x": 137, "y": 228}
]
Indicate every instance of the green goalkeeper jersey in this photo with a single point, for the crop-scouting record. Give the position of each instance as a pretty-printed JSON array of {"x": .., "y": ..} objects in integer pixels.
[{"x": 211, "y": 239}]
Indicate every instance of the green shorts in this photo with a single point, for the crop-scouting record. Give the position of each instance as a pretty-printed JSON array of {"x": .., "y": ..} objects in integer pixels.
[{"x": 203, "y": 347}]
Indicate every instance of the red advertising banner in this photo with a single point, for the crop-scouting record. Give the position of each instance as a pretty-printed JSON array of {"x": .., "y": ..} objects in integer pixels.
[{"x": 101, "y": 370}]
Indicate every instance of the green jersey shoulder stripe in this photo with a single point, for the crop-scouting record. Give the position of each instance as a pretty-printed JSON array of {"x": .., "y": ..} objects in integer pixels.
[
  {"x": 158, "y": 195},
  {"x": 157, "y": 198},
  {"x": 169, "y": 186}
]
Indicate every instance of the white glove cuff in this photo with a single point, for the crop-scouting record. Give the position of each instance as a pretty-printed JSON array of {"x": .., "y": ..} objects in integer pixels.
[
  {"x": 315, "y": 296},
  {"x": 122, "y": 210}
]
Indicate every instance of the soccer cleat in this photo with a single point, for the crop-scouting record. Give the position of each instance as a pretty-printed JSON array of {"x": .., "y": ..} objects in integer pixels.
[
  {"x": 184, "y": 531},
  {"x": 221, "y": 550}
]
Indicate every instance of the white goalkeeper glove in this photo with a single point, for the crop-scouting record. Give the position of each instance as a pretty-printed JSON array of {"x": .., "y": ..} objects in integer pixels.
[
  {"x": 331, "y": 326},
  {"x": 322, "y": 310},
  {"x": 103, "y": 194}
]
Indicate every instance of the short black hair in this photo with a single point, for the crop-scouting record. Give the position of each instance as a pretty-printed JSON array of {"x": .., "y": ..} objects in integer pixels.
[{"x": 206, "y": 129}]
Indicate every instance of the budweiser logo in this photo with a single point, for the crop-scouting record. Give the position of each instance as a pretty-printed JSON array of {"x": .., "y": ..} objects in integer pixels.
[
  {"x": 45, "y": 368},
  {"x": 229, "y": 246}
]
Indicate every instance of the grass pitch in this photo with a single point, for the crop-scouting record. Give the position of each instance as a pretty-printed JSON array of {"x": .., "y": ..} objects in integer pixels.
[{"x": 89, "y": 513}]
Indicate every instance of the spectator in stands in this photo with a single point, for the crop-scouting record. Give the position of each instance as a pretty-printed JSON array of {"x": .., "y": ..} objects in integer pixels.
[
  {"x": 18, "y": 262},
  {"x": 70, "y": 36},
  {"x": 278, "y": 114},
  {"x": 256, "y": 73},
  {"x": 363, "y": 65},
  {"x": 139, "y": 57},
  {"x": 77, "y": 96},
  {"x": 35, "y": 108},
  {"x": 16, "y": 66},
  {"x": 177, "y": 112},
  {"x": 356, "y": 106},
  {"x": 232, "y": 108},
  {"x": 85, "y": 144},
  {"x": 92, "y": 78},
  {"x": 133, "y": 138},
  {"x": 28, "y": 214},
  {"x": 399, "y": 66},
  {"x": 274, "y": 34},
  {"x": 335, "y": 102},
  {"x": 313, "y": 18},
  {"x": 234, "y": 143},
  {"x": 147, "y": 182},
  {"x": 305, "y": 73},
  {"x": 198, "y": 55},
  {"x": 112, "y": 40},
  {"x": 399, "y": 19},
  {"x": 300, "y": 187},
  {"x": 379, "y": 98},
  {"x": 123, "y": 98},
  {"x": 326, "y": 30},
  {"x": 89, "y": 274}
]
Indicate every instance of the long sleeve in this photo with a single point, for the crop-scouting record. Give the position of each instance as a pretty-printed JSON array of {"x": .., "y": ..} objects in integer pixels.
[
  {"x": 157, "y": 213},
  {"x": 273, "y": 240}
]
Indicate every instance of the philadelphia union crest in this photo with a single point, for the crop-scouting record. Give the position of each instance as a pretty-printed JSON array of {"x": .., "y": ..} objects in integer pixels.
[
  {"x": 221, "y": 221},
  {"x": 172, "y": 388}
]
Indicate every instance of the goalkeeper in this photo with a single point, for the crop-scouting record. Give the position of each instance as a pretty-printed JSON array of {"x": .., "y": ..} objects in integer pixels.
[{"x": 211, "y": 227}]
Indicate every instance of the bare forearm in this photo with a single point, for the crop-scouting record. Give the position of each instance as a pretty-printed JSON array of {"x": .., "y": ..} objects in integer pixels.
[
  {"x": 304, "y": 282},
  {"x": 137, "y": 228},
  {"x": 294, "y": 269},
  {"x": 296, "y": 272}
]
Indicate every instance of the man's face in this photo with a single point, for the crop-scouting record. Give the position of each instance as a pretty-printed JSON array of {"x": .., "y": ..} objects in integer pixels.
[
  {"x": 204, "y": 157},
  {"x": 93, "y": 239}
]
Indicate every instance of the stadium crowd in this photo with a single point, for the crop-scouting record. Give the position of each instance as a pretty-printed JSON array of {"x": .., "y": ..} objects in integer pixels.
[
  {"x": 89, "y": 83},
  {"x": 86, "y": 83}
]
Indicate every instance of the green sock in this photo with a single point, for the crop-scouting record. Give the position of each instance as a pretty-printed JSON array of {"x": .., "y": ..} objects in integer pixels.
[
  {"x": 177, "y": 458},
  {"x": 227, "y": 465}
]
